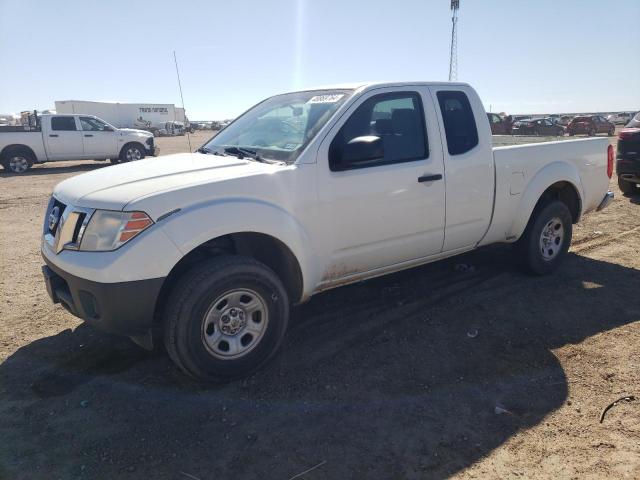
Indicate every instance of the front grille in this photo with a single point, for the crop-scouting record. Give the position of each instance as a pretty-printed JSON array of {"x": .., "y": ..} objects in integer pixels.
[
  {"x": 64, "y": 225},
  {"x": 49, "y": 226}
]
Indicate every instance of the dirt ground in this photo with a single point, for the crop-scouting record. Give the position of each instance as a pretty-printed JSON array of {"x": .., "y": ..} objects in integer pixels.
[{"x": 399, "y": 377}]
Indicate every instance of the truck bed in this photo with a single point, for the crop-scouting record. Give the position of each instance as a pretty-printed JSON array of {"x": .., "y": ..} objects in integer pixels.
[{"x": 583, "y": 160}]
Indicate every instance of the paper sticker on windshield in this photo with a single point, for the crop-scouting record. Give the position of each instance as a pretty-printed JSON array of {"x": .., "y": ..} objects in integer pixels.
[{"x": 326, "y": 98}]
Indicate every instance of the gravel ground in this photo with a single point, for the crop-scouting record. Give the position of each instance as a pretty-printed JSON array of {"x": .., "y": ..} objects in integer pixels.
[{"x": 429, "y": 373}]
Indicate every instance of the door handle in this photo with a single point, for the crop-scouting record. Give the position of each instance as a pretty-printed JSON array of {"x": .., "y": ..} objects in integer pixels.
[
  {"x": 429, "y": 178},
  {"x": 88, "y": 135},
  {"x": 51, "y": 135}
]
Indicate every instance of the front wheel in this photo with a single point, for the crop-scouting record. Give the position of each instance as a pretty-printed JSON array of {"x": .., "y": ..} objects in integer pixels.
[
  {"x": 612, "y": 132},
  {"x": 546, "y": 239},
  {"x": 225, "y": 318},
  {"x": 592, "y": 133},
  {"x": 131, "y": 152}
]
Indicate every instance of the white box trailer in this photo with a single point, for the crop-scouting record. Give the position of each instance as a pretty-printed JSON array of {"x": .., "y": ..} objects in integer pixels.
[{"x": 124, "y": 115}]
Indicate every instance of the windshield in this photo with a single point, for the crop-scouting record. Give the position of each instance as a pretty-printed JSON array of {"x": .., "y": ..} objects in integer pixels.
[{"x": 280, "y": 127}]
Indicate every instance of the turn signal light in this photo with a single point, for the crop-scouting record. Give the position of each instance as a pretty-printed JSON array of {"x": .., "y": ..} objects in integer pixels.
[{"x": 138, "y": 221}]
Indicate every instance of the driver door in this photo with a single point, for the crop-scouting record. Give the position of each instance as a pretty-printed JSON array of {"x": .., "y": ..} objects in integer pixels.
[
  {"x": 99, "y": 140},
  {"x": 385, "y": 211}
]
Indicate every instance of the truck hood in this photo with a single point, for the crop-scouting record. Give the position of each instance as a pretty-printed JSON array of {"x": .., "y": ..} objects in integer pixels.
[
  {"x": 113, "y": 187},
  {"x": 135, "y": 130}
]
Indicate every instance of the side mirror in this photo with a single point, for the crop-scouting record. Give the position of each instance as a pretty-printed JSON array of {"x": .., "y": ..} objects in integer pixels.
[
  {"x": 108, "y": 129},
  {"x": 362, "y": 149}
]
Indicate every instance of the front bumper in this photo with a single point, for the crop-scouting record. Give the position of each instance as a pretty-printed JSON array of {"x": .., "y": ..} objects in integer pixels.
[
  {"x": 153, "y": 151},
  {"x": 151, "y": 148},
  {"x": 124, "y": 308}
]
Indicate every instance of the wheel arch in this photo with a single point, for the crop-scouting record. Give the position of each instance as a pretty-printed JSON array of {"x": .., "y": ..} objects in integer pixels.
[
  {"x": 264, "y": 248},
  {"x": 18, "y": 147},
  {"x": 558, "y": 180}
]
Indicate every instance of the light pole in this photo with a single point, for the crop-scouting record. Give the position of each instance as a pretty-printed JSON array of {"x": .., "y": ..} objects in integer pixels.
[{"x": 453, "y": 58}]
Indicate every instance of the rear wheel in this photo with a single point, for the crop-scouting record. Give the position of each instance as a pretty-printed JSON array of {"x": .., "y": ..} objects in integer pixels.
[
  {"x": 17, "y": 161},
  {"x": 612, "y": 132},
  {"x": 627, "y": 188},
  {"x": 592, "y": 133},
  {"x": 546, "y": 239},
  {"x": 225, "y": 318}
]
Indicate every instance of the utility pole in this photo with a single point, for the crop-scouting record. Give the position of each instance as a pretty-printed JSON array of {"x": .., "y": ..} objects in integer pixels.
[{"x": 453, "y": 58}]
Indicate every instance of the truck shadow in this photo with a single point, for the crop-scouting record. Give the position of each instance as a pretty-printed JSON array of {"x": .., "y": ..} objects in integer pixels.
[
  {"x": 397, "y": 377},
  {"x": 52, "y": 168}
]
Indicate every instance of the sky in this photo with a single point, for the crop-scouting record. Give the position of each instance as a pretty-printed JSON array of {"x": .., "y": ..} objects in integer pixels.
[{"x": 535, "y": 56}]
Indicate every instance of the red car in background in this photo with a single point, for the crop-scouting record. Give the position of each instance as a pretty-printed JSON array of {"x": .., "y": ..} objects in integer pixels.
[{"x": 590, "y": 125}]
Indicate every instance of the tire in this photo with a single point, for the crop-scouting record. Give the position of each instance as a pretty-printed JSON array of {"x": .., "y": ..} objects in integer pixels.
[
  {"x": 17, "y": 161},
  {"x": 592, "y": 133},
  {"x": 627, "y": 188},
  {"x": 611, "y": 132},
  {"x": 208, "y": 316},
  {"x": 131, "y": 152},
  {"x": 571, "y": 134},
  {"x": 546, "y": 238}
]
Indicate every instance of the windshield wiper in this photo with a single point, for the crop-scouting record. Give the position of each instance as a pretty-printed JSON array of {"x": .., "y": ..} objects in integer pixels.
[
  {"x": 241, "y": 153},
  {"x": 206, "y": 151}
]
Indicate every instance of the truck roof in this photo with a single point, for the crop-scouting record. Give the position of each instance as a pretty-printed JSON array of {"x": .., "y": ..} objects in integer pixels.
[{"x": 378, "y": 84}]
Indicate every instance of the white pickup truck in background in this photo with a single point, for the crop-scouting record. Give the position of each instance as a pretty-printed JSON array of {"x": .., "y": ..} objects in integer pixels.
[
  {"x": 305, "y": 192},
  {"x": 71, "y": 137}
]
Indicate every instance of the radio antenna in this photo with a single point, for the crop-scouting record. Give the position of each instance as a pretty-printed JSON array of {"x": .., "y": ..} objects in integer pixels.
[{"x": 175, "y": 59}]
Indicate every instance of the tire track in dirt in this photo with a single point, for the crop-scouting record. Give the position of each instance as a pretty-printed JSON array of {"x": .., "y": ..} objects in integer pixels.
[{"x": 586, "y": 245}]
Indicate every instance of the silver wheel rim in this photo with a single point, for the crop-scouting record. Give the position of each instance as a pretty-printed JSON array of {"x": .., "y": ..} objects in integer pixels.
[
  {"x": 133, "y": 154},
  {"x": 234, "y": 324},
  {"x": 551, "y": 239},
  {"x": 18, "y": 164}
]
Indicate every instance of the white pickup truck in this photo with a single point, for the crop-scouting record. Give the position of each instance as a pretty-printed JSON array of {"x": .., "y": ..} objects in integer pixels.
[
  {"x": 305, "y": 192},
  {"x": 71, "y": 137}
]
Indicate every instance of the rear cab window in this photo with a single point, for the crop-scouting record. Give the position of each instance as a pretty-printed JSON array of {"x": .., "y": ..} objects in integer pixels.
[
  {"x": 459, "y": 122},
  {"x": 63, "y": 124}
]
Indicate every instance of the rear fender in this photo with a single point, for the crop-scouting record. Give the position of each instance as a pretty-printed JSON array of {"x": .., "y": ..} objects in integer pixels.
[{"x": 547, "y": 176}]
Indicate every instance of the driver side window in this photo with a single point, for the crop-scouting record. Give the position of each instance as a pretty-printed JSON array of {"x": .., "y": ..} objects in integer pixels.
[
  {"x": 92, "y": 125},
  {"x": 395, "y": 121}
]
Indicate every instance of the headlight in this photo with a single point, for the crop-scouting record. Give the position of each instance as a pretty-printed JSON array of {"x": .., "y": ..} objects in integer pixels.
[{"x": 108, "y": 230}]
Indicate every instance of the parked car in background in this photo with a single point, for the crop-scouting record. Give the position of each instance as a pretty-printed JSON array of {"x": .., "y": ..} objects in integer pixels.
[
  {"x": 169, "y": 129},
  {"x": 71, "y": 137},
  {"x": 634, "y": 122},
  {"x": 628, "y": 160},
  {"x": 538, "y": 126},
  {"x": 590, "y": 125},
  {"x": 565, "y": 119},
  {"x": 213, "y": 247},
  {"x": 499, "y": 125},
  {"x": 619, "y": 118}
]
